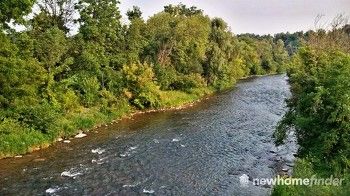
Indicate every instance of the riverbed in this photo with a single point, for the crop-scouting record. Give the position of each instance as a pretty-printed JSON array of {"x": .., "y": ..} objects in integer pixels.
[{"x": 202, "y": 150}]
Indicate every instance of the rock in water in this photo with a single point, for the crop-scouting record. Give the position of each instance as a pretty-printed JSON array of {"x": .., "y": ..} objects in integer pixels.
[{"x": 80, "y": 135}]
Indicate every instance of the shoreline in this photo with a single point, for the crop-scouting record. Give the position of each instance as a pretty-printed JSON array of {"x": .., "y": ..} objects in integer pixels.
[{"x": 79, "y": 133}]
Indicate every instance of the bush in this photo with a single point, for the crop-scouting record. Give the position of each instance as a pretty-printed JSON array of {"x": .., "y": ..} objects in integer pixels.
[
  {"x": 15, "y": 137},
  {"x": 140, "y": 80},
  {"x": 40, "y": 117},
  {"x": 88, "y": 86},
  {"x": 320, "y": 106},
  {"x": 187, "y": 82},
  {"x": 304, "y": 169}
]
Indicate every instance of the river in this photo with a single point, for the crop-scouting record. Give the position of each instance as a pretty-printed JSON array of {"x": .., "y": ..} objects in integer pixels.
[{"x": 201, "y": 150}]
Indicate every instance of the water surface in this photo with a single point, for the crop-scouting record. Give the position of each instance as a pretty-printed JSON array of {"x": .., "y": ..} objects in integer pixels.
[{"x": 202, "y": 150}]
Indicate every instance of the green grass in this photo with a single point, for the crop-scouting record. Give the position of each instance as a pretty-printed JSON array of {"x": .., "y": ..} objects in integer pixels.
[
  {"x": 304, "y": 169},
  {"x": 16, "y": 138},
  {"x": 179, "y": 98}
]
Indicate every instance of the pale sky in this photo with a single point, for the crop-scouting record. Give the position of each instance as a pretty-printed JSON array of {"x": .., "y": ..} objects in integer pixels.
[{"x": 255, "y": 16}]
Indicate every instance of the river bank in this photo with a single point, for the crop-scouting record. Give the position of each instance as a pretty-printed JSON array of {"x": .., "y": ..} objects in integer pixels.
[
  {"x": 199, "y": 150},
  {"x": 77, "y": 125},
  {"x": 92, "y": 119}
]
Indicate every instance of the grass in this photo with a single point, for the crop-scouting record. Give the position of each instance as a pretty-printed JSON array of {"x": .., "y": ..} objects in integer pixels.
[
  {"x": 304, "y": 169},
  {"x": 179, "y": 98},
  {"x": 16, "y": 138}
]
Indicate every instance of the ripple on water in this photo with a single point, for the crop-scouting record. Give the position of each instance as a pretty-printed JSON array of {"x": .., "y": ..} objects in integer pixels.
[
  {"x": 225, "y": 137},
  {"x": 98, "y": 151}
]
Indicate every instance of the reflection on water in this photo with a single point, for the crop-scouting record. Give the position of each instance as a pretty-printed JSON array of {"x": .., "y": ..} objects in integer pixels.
[{"x": 201, "y": 150}]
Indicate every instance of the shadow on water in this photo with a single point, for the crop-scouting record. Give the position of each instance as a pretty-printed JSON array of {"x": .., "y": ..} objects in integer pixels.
[{"x": 202, "y": 150}]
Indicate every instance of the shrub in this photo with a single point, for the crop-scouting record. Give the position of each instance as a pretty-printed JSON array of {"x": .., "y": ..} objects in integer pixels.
[
  {"x": 187, "y": 82},
  {"x": 40, "y": 117}
]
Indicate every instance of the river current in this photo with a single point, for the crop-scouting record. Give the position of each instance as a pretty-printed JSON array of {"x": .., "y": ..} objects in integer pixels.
[{"x": 201, "y": 150}]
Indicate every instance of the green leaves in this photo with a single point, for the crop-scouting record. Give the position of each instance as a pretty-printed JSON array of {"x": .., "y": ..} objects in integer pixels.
[
  {"x": 14, "y": 9},
  {"x": 140, "y": 86},
  {"x": 319, "y": 108},
  {"x": 52, "y": 83}
]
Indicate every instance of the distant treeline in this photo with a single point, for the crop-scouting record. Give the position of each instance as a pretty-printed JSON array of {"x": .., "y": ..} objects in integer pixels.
[{"x": 53, "y": 84}]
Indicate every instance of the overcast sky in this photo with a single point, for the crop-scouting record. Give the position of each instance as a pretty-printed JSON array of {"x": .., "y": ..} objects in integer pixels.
[{"x": 255, "y": 16}]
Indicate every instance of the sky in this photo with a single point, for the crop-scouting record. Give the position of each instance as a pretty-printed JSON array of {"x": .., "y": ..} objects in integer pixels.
[{"x": 255, "y": 16}]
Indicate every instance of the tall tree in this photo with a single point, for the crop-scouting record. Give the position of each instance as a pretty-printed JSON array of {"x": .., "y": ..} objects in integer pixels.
[
  {"x": 99, "y": 44},
  {"x": 58, "y": 13},
  {"x": 14, "y": 10},
  {"x": 135, "y": 40},
  {"x": 221, "y": 68}
]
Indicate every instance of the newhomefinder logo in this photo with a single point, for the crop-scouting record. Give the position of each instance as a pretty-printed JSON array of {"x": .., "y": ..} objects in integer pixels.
[{"x": 289, "y": 181}]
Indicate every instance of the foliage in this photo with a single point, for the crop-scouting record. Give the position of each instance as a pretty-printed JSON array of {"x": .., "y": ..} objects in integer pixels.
[
  {"x": 319, "y": 111},
  {"x": 53, "y": 83},
  {"x": 14, "y": 10},
  {"x": 319, "y": 108},
  {"x": 305, "y": 170},
  {"x": 144, "y": 93}
]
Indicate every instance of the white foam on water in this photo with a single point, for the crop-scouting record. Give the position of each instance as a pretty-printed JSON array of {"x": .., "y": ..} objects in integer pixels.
[
  {"x": 131, "y": 185},
  {"x": 156, "y": 141},
  {"x": 124, "y": 155},
  {"x": 175, "y": 140},
  {"x": 148, "y": 191},
  {"x": 70, "y": 174},
  {"x": 133, "y": 148},
  {"x": 99, "y": 161},
  {"x": 52, "y": 190},
  {"x": 98, "y": 151},
  {"x": 129, "y": 151},
  {"x": 183, "y": 146}
]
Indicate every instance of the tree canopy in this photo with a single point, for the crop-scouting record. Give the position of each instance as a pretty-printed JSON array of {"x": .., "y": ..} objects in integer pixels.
[{"x": 54, "y": 83}]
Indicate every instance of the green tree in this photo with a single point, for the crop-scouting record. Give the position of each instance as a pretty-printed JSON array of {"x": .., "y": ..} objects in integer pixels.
[
  {"x": 99, "y": 44},
  {"x": 20, "y": 74},
  {"x": 140, "y": 86},
  {"x": 50, "y": 48},
  {"x": 319, "y": 108},
  {"x": 14, "y": 9},
  {"x": 135, "y": 40},
  {"x": 280, "y": 56},
  {"x": 222, "y": 66},
  {"x": 135, "y": 13}
]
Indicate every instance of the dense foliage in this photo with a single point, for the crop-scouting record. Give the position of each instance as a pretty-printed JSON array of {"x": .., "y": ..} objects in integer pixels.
[
  {"x": 53, "y": 84},
  {"x": 319, "y": 110}
]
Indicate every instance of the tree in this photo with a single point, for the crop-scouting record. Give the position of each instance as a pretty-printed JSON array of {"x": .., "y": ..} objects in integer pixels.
[
  {"x": 135, "y": 40},
  {"x": 222, "y": 66},
  {"x": 20, "y": 74},
  {"x": 50, "y": 48},
  {"x": 140, "y": 87},
  {"x": 181, "y": 9},
  {"x": 280, "y": 56},
  {"x": 58, "y": 13},
  {"x": 135, "y": 13},
  {"x": 100, "y": 39},
  {"x": 318, "y": 109},
  {"x": 177, "y": 43},
  {"x": 14, "y": 10}
]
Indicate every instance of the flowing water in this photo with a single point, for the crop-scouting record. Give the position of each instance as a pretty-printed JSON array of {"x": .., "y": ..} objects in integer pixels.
[{"x": 202, "y": 150}]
